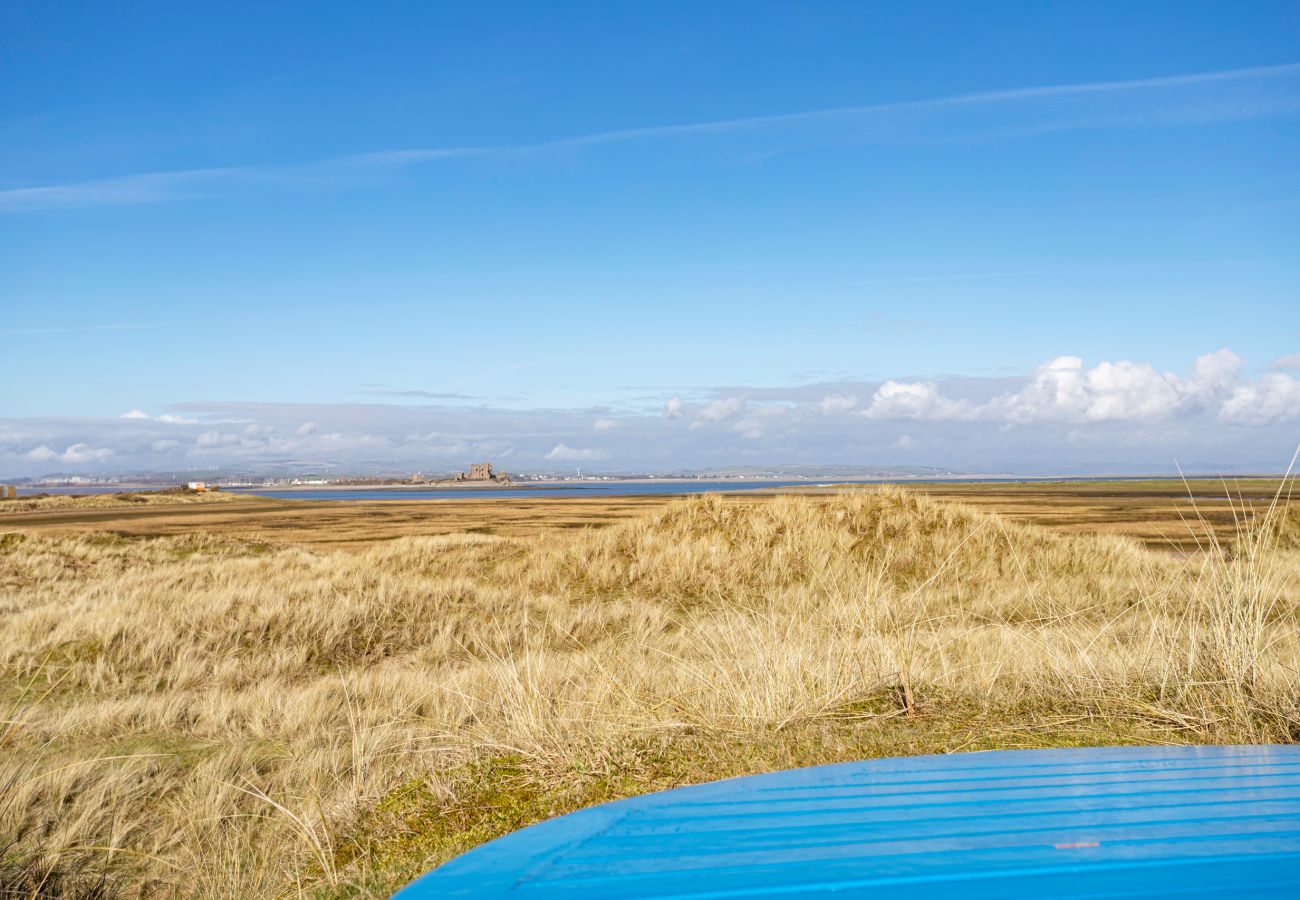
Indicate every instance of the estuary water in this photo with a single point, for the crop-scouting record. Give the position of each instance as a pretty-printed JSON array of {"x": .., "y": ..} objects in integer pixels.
[
  {"x": 536, "y": 492},
  {"x": 544, "y": 491},
  {"x": 614, "y": 488}
]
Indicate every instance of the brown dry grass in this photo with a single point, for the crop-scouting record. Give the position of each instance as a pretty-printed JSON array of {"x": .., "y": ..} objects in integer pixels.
[
  {"x": 122, "y": 500},
  {"x": 216, "y": 716},
  {"x": 1156, "y": 512}
]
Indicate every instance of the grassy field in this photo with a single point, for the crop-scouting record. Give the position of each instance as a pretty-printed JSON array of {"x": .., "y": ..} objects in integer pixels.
[
  {"x": 126, "y": 502},
  {"x": 253, "y": 698},
  {"x": 1160, "y": 513}
]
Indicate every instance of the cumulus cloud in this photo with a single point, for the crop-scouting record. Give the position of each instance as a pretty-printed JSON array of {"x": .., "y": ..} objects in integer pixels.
[
  {"x": 1274, "y": 398},
  {"x": 1290, "y": 363},
  {"x": 1214, "y": 374},
  {"x": 565, "y": 453},
  {"x": 835, "y": 403},
  {"x": 78, "y": 453},
  {"x": 916, "y": 400},
  {"x": 721, "y": 410},
  {"x": 215, "y": 438},
  {"x": 1064, "y": 391},
  {"x": 84, "y": 453},
  {"x": 1119, "y": 414},
  {"x": 166, "y": 418}
]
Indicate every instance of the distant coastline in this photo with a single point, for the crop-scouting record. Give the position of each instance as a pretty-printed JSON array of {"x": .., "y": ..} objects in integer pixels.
[{"x": 604, "y": 485}]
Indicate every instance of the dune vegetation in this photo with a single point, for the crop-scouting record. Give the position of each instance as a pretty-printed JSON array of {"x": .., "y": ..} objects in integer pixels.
[
  {"x": 213, "y": 716},
  {"x": 119, "y": 500}
]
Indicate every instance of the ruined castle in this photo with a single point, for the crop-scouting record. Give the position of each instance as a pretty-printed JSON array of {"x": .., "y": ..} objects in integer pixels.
[{"x": 481, "y": 472}]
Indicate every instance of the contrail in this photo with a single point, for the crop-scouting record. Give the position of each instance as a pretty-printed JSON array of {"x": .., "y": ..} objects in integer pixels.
[{"x": 1253, "y": 93}]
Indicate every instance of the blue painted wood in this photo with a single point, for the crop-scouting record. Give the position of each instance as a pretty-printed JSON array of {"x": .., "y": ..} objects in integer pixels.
[{"x": 1098, "y": 822}]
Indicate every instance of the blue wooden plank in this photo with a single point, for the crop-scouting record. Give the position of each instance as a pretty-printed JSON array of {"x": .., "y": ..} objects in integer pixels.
[{"x": 1096, "y": 822}]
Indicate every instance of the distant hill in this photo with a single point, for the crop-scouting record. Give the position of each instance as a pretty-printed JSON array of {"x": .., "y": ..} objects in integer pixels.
[{"x": 798, "y": 471}]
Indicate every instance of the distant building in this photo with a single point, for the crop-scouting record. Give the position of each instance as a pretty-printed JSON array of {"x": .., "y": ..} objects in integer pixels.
[
  {"x": 481, "y": 472},
  {"x": 197, "y": 486}
]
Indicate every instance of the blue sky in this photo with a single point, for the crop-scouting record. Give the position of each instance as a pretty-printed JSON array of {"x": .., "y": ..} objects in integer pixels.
[{"x": 651, "y": 236}]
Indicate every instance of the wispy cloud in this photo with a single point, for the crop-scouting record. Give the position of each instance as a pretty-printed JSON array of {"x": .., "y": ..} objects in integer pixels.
[
  {"x": 1195, "y": 99},
  {"x": 1289, "y": 363}
]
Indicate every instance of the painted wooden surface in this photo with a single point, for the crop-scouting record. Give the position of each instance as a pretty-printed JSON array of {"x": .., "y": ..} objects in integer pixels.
[{"x": 1104, "y": 822}]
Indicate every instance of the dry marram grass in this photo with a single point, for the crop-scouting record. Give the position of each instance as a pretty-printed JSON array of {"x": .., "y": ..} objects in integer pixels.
[
  {"x": 217, "y": 717},
  {"x": 125, "y": 499}
]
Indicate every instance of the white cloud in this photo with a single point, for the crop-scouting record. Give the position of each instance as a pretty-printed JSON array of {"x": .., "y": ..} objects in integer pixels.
[
  {"x": 1214, "y": 374},
  {"x": 1289, "y": 363},
  {"x": 1064, "y": 391},
  {"x": 84, "y": 453},
  {"x": 915, "y": 400},
  {"x": 721, "y": 410},
  {"x": 436, "y": 444},
  {"x": 1274, "y": 398},
  {"x": 76, "y": 453},
  {"x": 1065, "y": 413},
  {"x": 215, "y": 439},
  {"x": 604, "y": 425},
  {"x": 565, "y": 453},
  {"x": 167, "y": 418},
  {"x": 833, "y": 403}
]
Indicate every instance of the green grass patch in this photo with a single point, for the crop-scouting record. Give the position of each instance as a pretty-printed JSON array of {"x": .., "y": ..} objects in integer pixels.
[{"x": 427, "y": 821}]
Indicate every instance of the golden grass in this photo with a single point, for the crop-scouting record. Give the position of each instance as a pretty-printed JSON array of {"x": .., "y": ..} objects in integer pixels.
[
  {"x": 121, "y": 500},
  {"x": 1154, "y": 511},
  {"x": 223, "y": 717}
]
